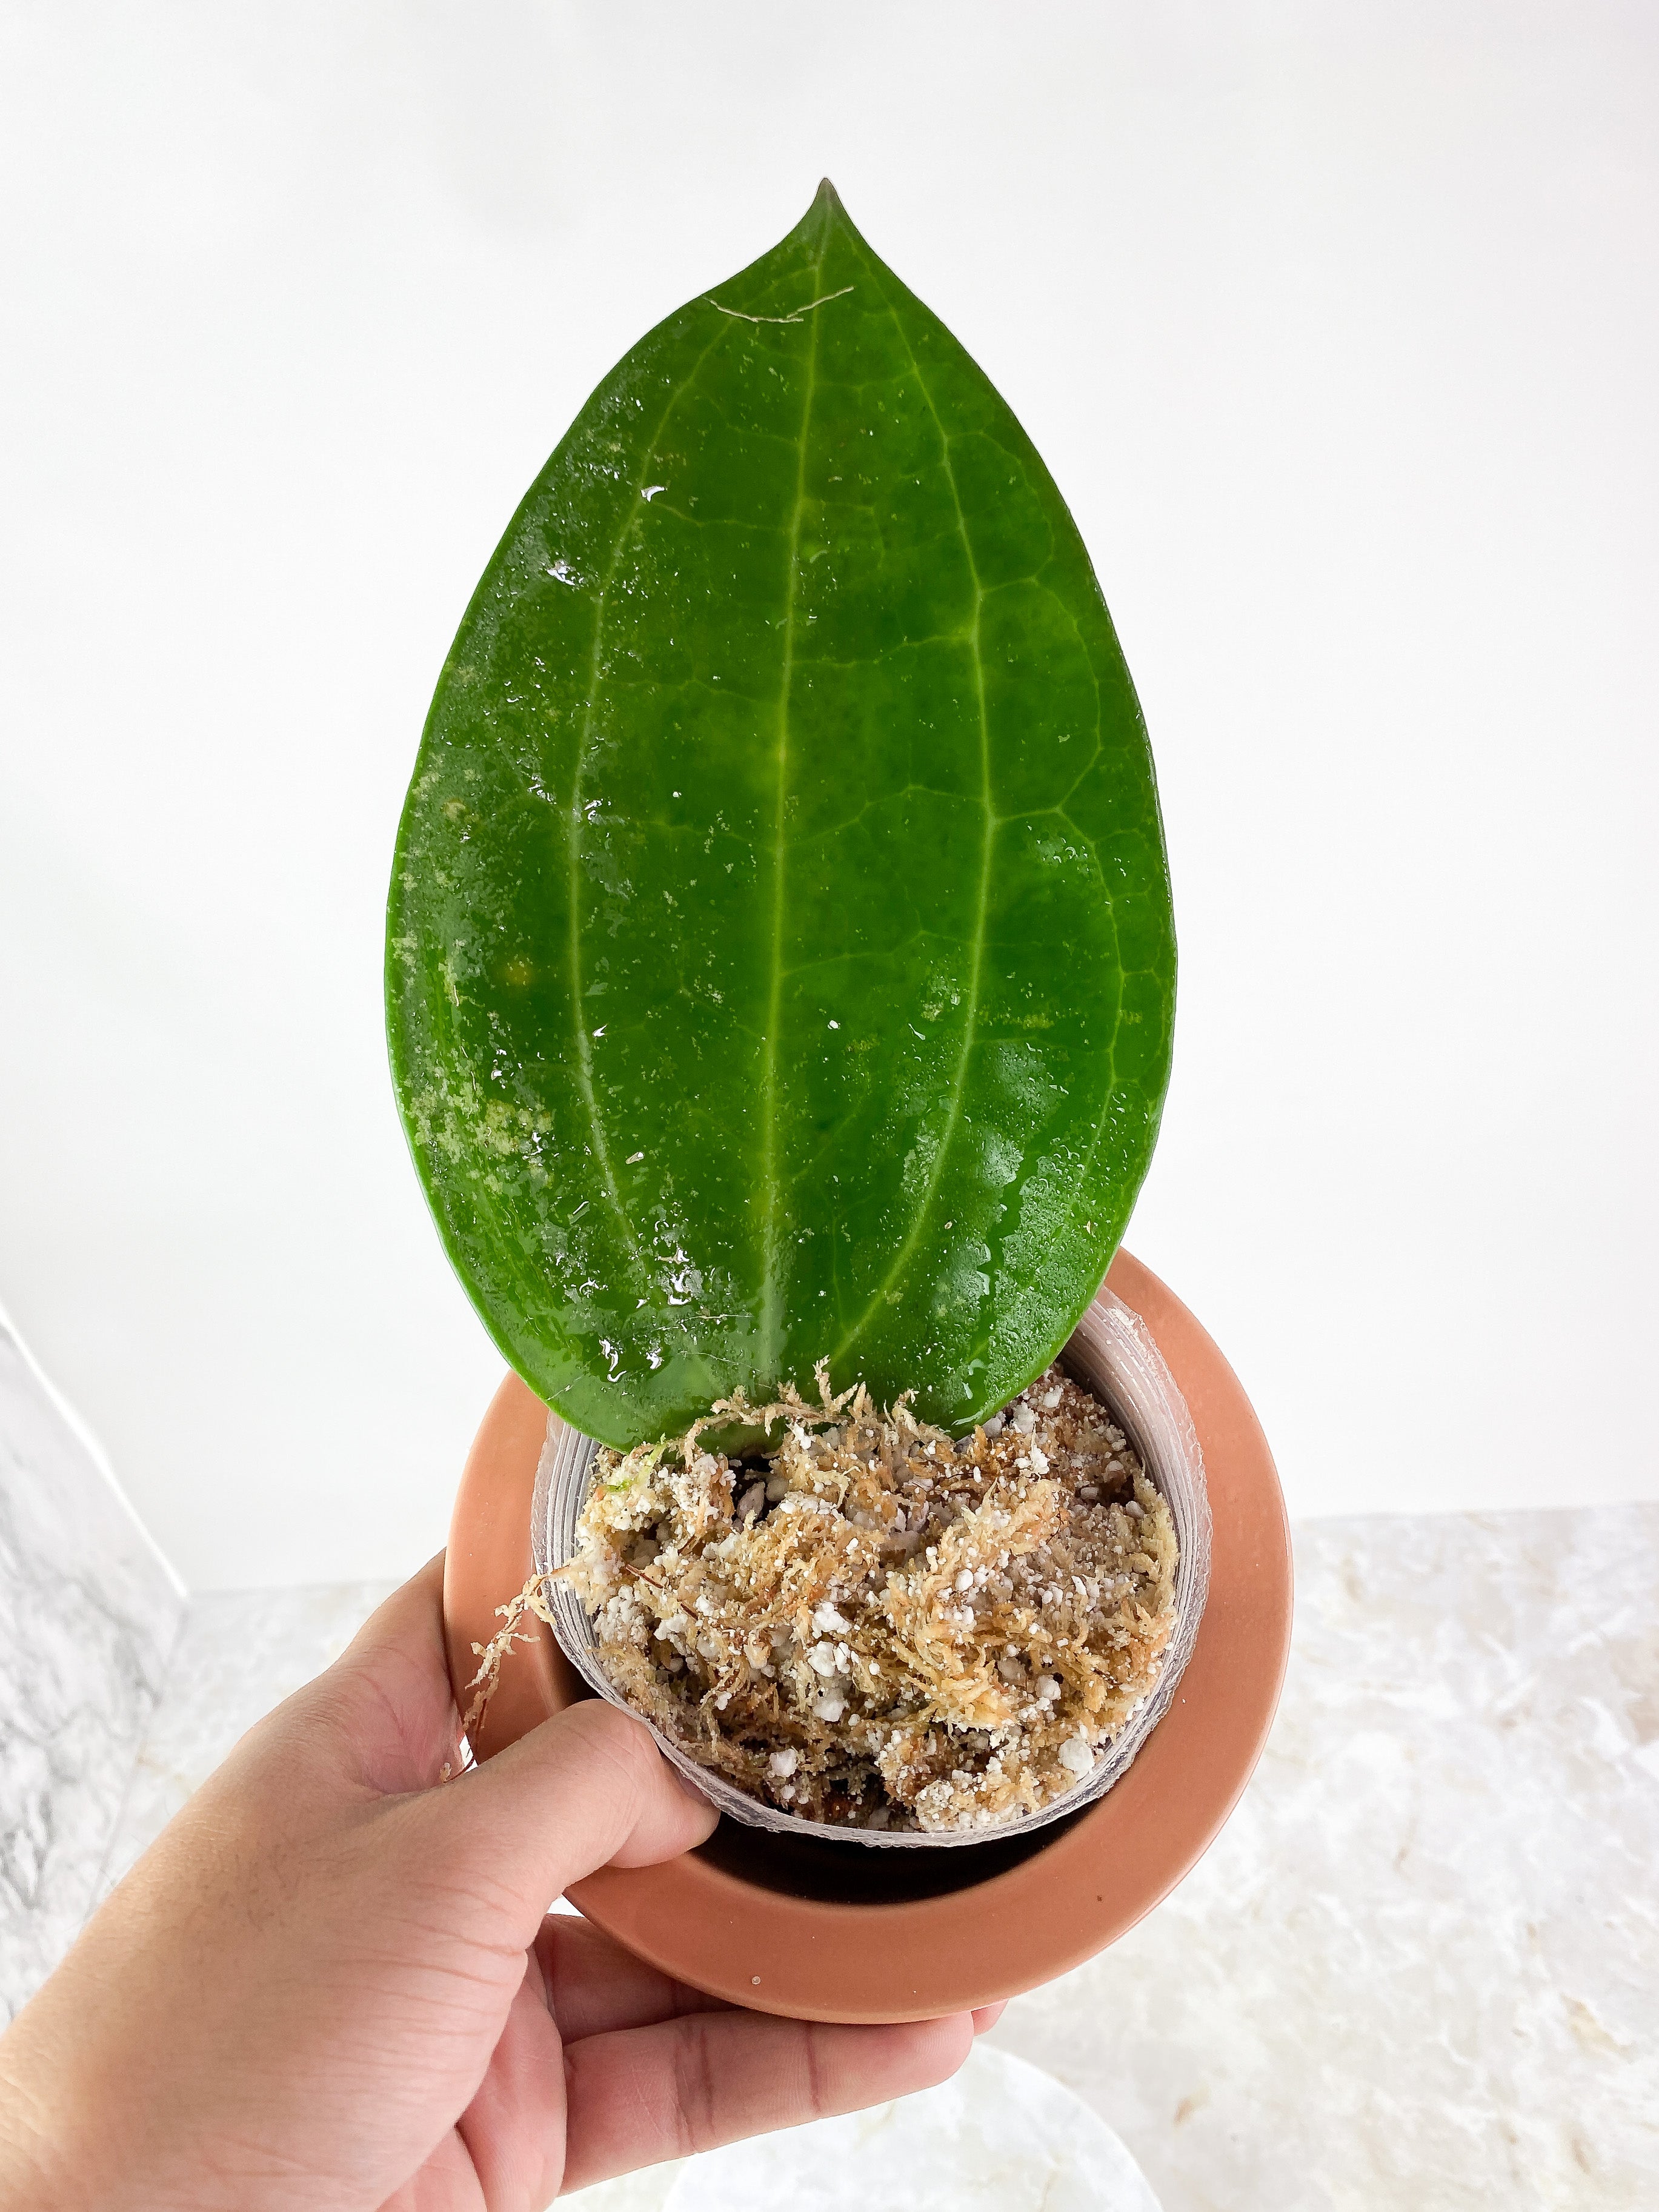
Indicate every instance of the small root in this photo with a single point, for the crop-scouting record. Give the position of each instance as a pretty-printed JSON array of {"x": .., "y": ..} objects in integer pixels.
[{"x": 491, "y": 1656}]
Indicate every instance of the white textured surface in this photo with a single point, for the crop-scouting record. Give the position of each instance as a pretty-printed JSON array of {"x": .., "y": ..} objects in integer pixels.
[
  {"x": 88, "y": 1611},
  {"x": 1419, "y": 1969},
  {"x": 240, "y": 1653},
  {"x": 645, "y": 2192},
  {"x": 1002, "y": 2136}
]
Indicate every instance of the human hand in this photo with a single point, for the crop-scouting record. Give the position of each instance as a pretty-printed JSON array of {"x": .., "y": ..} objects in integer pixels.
[{"x": 330, "y": 1985}]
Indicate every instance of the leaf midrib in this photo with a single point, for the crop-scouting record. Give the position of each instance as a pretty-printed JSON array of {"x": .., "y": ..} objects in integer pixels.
[{"x": 976, "y": 958}]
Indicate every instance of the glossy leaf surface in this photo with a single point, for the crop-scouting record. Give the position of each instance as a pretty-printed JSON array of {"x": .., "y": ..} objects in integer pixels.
[{"x": 780, "y": 954}]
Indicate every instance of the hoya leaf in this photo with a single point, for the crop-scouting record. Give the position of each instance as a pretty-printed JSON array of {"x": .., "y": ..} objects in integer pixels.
[{"x": 779, "y": 958}]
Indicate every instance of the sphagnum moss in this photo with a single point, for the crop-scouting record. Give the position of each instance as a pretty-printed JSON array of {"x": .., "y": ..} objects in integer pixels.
[{"x": 878, "y": 1626}]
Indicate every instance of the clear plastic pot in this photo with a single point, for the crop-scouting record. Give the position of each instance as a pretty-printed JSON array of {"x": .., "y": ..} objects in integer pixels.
[{"x": 1111, "y": 1353}]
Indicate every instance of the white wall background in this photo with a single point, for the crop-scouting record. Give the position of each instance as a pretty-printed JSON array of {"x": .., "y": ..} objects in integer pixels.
[{"x": 1337, "y": 327}]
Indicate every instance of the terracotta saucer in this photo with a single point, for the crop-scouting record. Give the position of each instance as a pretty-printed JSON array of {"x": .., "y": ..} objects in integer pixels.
[{"x": 837, "y": 1932}]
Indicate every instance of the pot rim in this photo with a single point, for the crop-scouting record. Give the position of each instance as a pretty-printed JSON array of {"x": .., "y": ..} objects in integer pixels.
[{"x": 1084, "y": 1886}]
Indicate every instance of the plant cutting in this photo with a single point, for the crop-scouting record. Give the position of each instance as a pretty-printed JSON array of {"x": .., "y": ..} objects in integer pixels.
[{"x": 780, "y": 977}]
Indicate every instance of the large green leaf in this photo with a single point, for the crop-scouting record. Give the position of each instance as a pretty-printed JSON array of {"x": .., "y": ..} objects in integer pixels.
[{"x": 780, "y": 956}]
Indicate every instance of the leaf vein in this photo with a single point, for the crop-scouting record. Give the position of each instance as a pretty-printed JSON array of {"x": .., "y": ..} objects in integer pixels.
[
  {"x": 575, "y": 819},
  {"x": 976, "y": 957}
]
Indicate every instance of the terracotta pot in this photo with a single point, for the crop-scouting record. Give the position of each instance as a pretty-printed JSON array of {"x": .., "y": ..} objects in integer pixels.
[{"x": 837, "y": 1933}]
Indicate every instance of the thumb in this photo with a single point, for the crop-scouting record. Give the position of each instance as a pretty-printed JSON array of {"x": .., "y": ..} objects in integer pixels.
[{"x": 586, "y": 1788}]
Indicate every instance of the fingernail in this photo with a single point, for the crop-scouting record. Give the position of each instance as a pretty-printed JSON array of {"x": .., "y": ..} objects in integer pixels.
[{"x": 698, "y": 1797}]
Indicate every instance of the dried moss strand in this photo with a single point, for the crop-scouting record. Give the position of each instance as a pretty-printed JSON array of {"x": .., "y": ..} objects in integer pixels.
[{"x": 875, "y": 1624}]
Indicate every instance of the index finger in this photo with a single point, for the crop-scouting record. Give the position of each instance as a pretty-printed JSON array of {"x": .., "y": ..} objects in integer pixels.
[
  {"x": 690, "y": 2084},
  {"x": 595, "y": 1986}
]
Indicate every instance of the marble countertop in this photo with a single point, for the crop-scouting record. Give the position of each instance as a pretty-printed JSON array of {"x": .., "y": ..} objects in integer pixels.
[{"x": 1418, "y": 1968}]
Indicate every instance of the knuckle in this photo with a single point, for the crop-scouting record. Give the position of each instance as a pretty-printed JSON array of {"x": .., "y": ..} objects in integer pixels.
[
  {"x": 694, "y": 2118},
  {"x": 812, "y": 2055}
]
